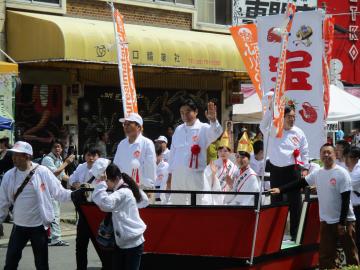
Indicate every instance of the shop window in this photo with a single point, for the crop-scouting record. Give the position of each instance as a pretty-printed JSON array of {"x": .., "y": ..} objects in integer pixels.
[
  {"x": 215, "y": 11},
  {"x": 57, "y": 2}
]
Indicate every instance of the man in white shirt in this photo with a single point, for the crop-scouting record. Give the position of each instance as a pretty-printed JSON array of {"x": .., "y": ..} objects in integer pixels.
[
  {"x": 341, "y": 147},
  {"x": 80, "y": 176},
  {"x": 353, "y": 166},
  {"x": 188, "y": 151},
  {"x": 54, "y": 162},
  {"x": 32, "y": 209},
  {"x": 135, "y": 155},
  {"x": 286, "y": 154},
  {"x": 333, "y": 185},
  {"x": 163, "y": 141}
]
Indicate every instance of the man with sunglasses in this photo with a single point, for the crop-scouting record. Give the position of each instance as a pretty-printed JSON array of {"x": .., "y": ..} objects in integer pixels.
[{"x": 135, "y": 155}]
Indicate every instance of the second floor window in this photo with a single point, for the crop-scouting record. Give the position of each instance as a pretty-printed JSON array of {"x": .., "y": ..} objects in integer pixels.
[
  {"x": 57, "y": 2},
  {"x": 215, "y": 11},
  {"x": 184, "y": 2}
]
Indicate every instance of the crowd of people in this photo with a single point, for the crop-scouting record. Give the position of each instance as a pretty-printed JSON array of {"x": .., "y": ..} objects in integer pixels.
[{"x": 34, "y": 191}]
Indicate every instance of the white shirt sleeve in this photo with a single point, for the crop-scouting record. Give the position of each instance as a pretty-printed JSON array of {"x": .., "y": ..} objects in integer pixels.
[
  {"x": 355, "y": 180},
  {"x": 213, "y": 131},
  {"x": 75, "y": 178},
  {"x": 310, "y": 178},
  {"x": 106, "y": 202},
  {"x": 54, "y": 185},
  {"x": 304, "y": 150},
  {"x": 149, "y": 171},
  {"x": 4, "y": 199},
  {"x": 345, "y": 184},
  {"x": 117, "y": 156}
]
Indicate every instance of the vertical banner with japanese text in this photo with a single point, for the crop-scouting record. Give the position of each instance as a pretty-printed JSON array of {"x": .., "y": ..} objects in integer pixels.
[
  {"x": 304, "y": 78},
  {"x": 245, "y": 37},
  {"x": 127, "y": 81}
]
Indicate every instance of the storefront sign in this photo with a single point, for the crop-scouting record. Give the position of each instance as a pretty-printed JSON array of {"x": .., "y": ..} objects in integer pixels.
[
  {"x": 245, "y": 11},
  {"x": 303, "y": 83}
]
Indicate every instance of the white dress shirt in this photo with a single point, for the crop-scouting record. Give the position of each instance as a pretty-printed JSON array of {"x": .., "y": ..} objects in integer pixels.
[
  {"x": 140, "y": 153},
  {"x": 355, "y": 183},
  {"x": 281, "y": 150},
  {"x": 81, "y": 174},
  {"x": 185, "y": 137}
]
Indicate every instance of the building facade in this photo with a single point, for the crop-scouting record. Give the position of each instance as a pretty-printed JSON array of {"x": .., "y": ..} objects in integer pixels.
[{"x": 67, "y": 61}]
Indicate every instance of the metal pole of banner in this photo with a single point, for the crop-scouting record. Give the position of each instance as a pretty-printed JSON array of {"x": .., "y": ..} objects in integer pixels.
[
  {"x": 257, "y": 211},
  {"x": 251, "y": 262},
  {"x": 118, "y": 57}
]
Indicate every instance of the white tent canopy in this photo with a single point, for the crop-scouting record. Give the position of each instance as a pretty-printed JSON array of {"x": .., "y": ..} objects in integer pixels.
[{"x": 344, "y": 107}]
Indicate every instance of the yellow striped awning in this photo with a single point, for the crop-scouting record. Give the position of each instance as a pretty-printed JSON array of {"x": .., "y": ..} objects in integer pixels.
[
  {"x": 6, "y": 67},
  {"x": 38, "y": 37}
]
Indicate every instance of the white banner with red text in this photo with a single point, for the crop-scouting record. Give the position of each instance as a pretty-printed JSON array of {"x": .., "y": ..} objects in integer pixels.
[{"x": 304, "y": 78}]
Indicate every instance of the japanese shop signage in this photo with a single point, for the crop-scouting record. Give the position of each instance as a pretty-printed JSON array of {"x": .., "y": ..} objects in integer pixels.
[
  {"x": 245, "y": 11},
  {"x": 303, "y": 84}
]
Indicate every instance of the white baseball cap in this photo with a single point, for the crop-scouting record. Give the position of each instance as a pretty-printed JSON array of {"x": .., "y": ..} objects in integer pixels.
[
  {"x": 132, "y": 117},
  {"x": 22, "y": 147},
  {"x": 99, "y": 167},
  {"x": 162, "y": 139}
]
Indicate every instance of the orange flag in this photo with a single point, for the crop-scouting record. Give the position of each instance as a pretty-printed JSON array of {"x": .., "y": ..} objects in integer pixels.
[
  {"x": 127, "y": 81},
  {"x": 280, "y": 86},
  {"x": 246, "y": 40}
]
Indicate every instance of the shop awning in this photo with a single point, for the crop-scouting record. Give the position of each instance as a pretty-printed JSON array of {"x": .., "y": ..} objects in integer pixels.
[
  {"x": 37, "y": 37},
  {"x": 6, "y": 67}
]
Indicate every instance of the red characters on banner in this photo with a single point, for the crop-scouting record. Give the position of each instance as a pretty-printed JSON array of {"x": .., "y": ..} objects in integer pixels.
[
  {"x": 295, "y": 79},
  {"x": 308, "y": 113}
]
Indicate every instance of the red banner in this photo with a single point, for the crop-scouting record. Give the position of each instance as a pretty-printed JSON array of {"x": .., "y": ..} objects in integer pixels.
[{"x": 127, "y": 81}]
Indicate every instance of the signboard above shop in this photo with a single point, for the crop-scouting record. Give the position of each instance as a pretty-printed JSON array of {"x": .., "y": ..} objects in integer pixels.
[{"x": 245, "y": 11}]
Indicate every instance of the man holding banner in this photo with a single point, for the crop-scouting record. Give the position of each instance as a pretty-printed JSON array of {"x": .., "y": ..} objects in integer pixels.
[{"x": 286, "y": 156}]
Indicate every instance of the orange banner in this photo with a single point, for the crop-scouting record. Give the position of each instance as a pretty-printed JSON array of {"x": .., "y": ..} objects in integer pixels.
[
  {"x": 328, "y": 34},
  {"x": 281, "y": 74},
  {"x": 127, "y": 81},
  {"x": 246, "y": 40}
]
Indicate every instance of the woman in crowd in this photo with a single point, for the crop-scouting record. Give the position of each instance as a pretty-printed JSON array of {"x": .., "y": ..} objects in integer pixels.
[{"x": 123, "y": 203}]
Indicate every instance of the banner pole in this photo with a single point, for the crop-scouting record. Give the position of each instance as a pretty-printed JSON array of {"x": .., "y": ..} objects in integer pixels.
[
  {"x": 257, "y": 211},
  {"x": 283, "y": 48},
  {"x": 118, "y": 57}
]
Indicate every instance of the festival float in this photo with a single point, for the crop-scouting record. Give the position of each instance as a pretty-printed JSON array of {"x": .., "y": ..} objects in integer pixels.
[{"x": 220, "y": 237}]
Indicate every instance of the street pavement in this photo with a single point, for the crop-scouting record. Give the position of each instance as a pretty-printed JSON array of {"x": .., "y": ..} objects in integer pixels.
[{"x": 60, "y": 258}]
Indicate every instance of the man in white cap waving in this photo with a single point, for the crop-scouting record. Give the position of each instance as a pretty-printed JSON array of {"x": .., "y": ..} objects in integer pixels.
[
  {"x": 29, "y": 188},
  {"x": 163, "y": 141},
  {"x": 135, "y": 155}
]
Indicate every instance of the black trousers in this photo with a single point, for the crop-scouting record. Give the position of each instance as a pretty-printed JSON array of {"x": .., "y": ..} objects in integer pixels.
[
  {"x": 280, "y": 176},
  {"x": 81, "y": 249},
  {"x": 39, "y": 242},
  {"x": 357, "y": 227},
  {"x": 127, "y": 258},
  {"x": 82, "y": 243}
]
